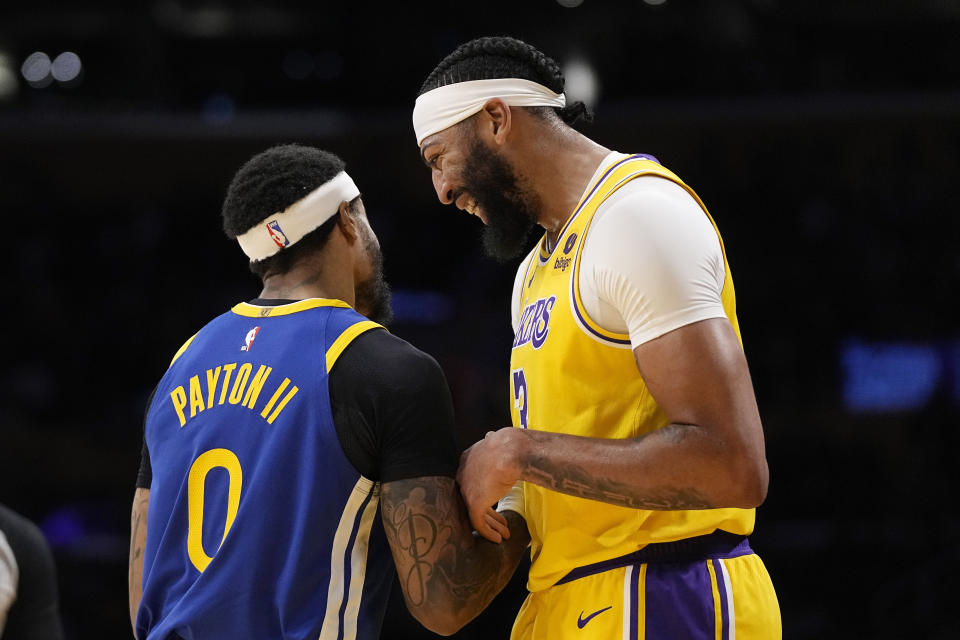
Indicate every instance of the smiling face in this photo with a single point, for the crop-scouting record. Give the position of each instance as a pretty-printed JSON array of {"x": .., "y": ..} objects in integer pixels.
[{"x": 471, "y": 175}]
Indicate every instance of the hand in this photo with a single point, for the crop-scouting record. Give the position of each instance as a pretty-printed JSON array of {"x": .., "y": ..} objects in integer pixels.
[
  {"x": 493, "y": 527},
  {"x": 487, "y": 472}
]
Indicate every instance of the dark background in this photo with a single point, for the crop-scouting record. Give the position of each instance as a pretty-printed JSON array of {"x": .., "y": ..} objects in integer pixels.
[{"x": 824, "y": 137}]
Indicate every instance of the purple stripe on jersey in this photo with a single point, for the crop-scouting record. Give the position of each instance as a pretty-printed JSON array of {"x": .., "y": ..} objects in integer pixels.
[
  {"x": 637, "y": 156},
  {"x": 348, "y": 565},
  {"x": 724, "y": 605},
  {"x": 573, "y": 278},
  {"x": 678, "y": 602},
  {"x": 583, "y": 321},
  {"x": 719, "y": 544},
  {"x": 635, "y": 602}
]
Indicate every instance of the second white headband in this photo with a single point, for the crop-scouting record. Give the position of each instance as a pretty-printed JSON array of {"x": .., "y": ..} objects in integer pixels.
[{"x": 445, "y": 106}]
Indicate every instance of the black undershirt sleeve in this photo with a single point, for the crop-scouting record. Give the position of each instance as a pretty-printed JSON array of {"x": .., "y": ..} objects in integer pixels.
[
  {"x": 145, "y": 474},
  {"x": 392, "y": 409}
]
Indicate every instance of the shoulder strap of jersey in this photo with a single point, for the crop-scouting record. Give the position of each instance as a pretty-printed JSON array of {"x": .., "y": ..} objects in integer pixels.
[
  {"x": 594, "y": 194},
  {"x": 647, "y": 168},
  {"x": 183, "y": 348},
  {"x": 624, "y": 172},
  {"x": 344, "y": 339}
]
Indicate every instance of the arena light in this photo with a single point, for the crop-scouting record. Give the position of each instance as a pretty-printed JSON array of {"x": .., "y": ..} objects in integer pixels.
[
  {"x": 36, "y": 70},
  {"x": 581, "y": 82},
  {"x": 890, "y": 376},
  {"x": 208, "y": 22},
  {"x": 569, "y": 4},
  {"x": 66, "y": 68},
  {"x": 9, "y": 85},
  {"x": 655, "y": 3}
]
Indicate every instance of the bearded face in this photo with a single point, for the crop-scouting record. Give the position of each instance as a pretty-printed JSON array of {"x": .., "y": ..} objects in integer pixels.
[
  {"x": 509, "y": 209},
  {"x": 373, "y": 294}
]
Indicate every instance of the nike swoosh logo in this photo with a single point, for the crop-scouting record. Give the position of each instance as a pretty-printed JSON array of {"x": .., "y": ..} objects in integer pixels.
[{"x": 582, "y": 622}]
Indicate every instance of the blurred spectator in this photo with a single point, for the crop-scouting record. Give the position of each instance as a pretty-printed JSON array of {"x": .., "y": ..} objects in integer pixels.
[{"x": 29, "y": 607}]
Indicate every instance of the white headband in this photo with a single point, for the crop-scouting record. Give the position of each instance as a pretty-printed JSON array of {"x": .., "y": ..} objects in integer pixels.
[
  {"x": 445, "y": 106},
  {"x": 303, "y": 216}
]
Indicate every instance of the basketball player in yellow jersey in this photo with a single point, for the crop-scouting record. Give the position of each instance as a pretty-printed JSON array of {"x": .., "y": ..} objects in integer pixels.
[{"x": 639, "y": 457}]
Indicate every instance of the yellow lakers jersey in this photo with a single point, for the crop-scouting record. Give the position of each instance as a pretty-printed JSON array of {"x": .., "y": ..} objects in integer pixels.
[{"x": 569, "y": 375}]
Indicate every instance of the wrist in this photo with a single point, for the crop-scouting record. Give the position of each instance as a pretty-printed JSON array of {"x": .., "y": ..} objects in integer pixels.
[{"x": 518, "y": 452}]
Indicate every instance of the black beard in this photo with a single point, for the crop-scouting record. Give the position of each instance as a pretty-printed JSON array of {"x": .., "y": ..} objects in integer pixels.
[
  {"x": 373, "y": 294},
  {"x": 511, "y": 212}
]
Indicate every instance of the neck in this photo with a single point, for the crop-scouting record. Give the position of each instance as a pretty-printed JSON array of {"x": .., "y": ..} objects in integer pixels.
[
  {"x": 311, "y": 279},
  {"x": 564, "y": 163}
]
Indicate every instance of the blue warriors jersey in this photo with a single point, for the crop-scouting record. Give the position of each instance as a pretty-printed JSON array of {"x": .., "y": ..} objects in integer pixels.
[{"x": 258, "y": 526}]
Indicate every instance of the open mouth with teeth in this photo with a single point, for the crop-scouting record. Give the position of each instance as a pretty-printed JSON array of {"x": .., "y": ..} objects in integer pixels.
[
  {"x": 470, "y": 206},
  {"x": 474, "y": 209}
]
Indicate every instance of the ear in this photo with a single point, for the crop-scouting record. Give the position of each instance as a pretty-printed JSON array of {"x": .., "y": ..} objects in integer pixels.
[
  {"x": 498, "y": 121},
  {"x": 347, "y": 224}
]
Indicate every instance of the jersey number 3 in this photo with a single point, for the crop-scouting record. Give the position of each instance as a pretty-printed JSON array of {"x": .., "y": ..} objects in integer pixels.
[
  {"x": 223, "y": 458},
  {"x": 520, "y": 395}
]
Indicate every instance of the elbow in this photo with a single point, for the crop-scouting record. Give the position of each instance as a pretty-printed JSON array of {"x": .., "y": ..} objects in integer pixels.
[
  {"x": 444, "y": 629},
  {"x": 442, "y": 626},
  {"x": 750, "y": 484},
  {"x": 441, "y": 623}
]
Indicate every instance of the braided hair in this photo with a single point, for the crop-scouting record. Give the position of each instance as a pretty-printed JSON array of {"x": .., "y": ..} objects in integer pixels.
[
  {"x": 505, "y": 57},
  {"x": 270, "y": 182}
]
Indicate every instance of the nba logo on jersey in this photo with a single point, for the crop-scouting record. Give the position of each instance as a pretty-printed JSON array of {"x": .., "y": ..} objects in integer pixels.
[
  {"x": 251, "y": 336},
  {"x": 276, "y": 234}
]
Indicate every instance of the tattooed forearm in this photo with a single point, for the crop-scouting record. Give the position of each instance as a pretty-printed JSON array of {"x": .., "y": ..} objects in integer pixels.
[
  {"x": 135, "y": 549},
  {"x": 415, "y": 525},
  {"x": 445, "y": 571},
  {"x": 420, "y": 521},
  {"x": 575, "y": 480},
  {"x": 138, "y": 538}
]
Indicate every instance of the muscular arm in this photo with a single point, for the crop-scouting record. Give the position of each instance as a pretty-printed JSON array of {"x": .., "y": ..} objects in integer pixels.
[
  {"x": 448, "y": 574},
  {"x": 652, "y": 267},
  {"x": 138, "y": 538},
  {"x": 711, "y": 455}
]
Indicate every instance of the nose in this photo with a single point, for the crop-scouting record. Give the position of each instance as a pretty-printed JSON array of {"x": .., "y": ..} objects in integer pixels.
[{"x": 443, "y": 187}]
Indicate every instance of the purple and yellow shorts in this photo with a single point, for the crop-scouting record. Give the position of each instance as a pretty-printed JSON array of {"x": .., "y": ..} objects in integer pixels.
[{"x": 712, "y": 587}]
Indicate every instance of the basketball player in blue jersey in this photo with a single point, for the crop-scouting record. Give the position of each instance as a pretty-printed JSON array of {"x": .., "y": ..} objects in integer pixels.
[
  {"x": 638, "y": 457},
  {"x": 295, "y": 452}
]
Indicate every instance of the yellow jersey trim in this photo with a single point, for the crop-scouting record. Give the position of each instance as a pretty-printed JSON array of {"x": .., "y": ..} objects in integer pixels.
[
  {"x": 624, "y": 174},
  {"x": 650, "y": 168},
  {"x": 345, "y": 338},
  {"x": 619, "y": 339},
  {"x": 587, "y": 196},
  {"x": 717, "y": 604},
  {"x": 182, "y": 349},
  {"x": 255, "y": 311}
]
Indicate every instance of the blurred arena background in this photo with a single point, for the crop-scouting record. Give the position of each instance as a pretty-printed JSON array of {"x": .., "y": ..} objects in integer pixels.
[{"x": 824, "y": 137}]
